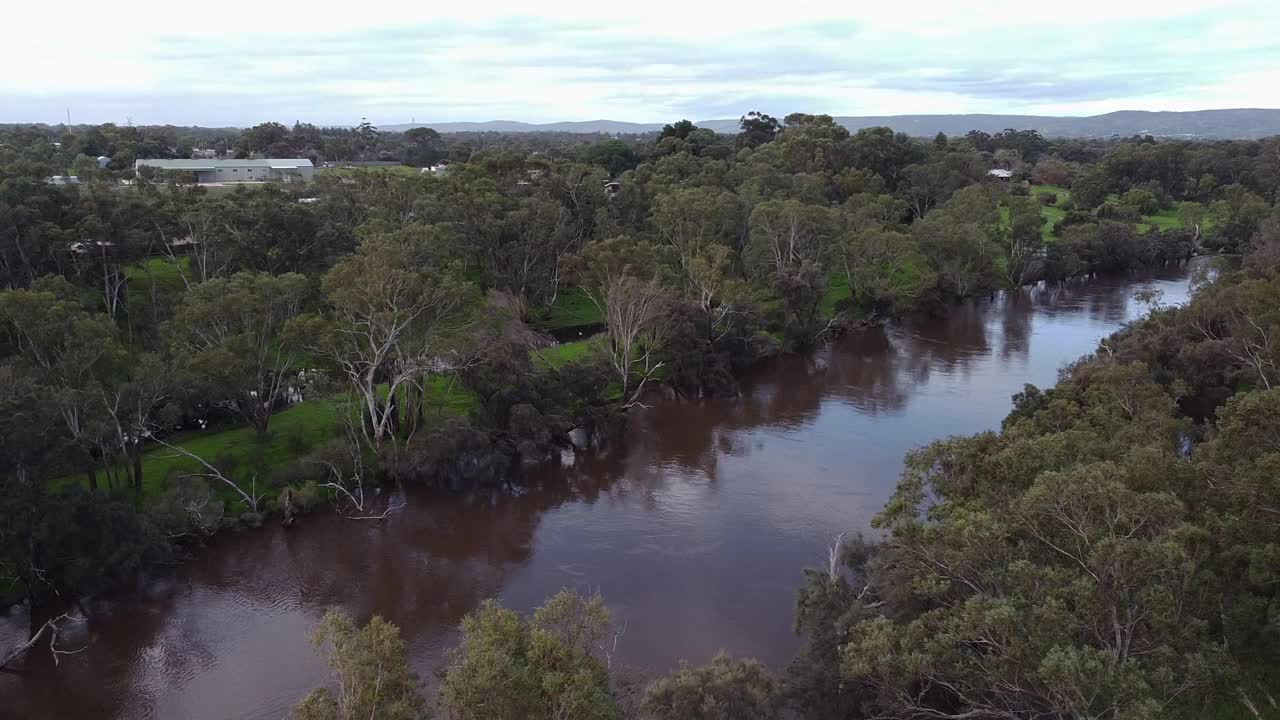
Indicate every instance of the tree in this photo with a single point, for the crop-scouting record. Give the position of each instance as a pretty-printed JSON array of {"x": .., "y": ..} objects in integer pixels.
[
  {"x": 1026, "y": 242},
  {"x": 192, "y": 235},
  {"x": 614, "y": 155},
  {"x": 371, "y": 668},
  {"x": 788, "y": 233},
  {"x": 757, "y": 129},
  {"x": 1191, "y": 216},
  {"x": 621, "y": 277},
  {"x": 1028, "y": 144},
  {"x": 391, "y": 305},
  {"x": 884, "y": 152},
  {"x": 1051, "y": 171},
  {"x": 136, "y": 407},
  {"x": 940, "y": 141},
  {"x": 1090, "y": 189},
  {"x": 885, "y": 268},
  {"x": 679, "y": 130},
  {"x": 958, "y": 240},
  {"x": 1243, "y": 320},
  {"x": 1142, "y": 200},
  {"x": 74, "y": 355},
  {"x": 269, "y": 231},
  {"x": 726, "y": 689},
  {"x": 262, "y": 136},
  {"x": 701, "y": 225},
  {"x": 230, "y": 334},
  {"x": 930, "y": 184},
  {"x": 1236, "y": 215},
  {"x": 426, "y": 147},
  {"x": 548, "y": 667},
  {"x": 112, "y": 234},
  {"x": 1051, "y": 570}
]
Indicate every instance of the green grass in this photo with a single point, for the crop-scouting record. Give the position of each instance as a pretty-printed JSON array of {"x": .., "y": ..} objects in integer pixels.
[
  {"x": 560, "y": 355},
  {"x": 572, "y": 308},
  {"x": 291, "y": 432},
  {"x": 1166, "y": 219},
  {"x": 837, "y": 292},
  {"x": 1051, "y": 213},
  {"x": 160, "y": 269},
  {"x": 240, "y": 452}
]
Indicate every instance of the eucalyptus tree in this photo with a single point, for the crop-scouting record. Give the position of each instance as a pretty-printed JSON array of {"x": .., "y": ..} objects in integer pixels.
[
  {"x": 371, "y": 667},
  {"x": 553, "y": 665},
  {"x": 229, "y": 333},
  {"x": 621, "y": 276},
  {"x": 390, "y": 309}
]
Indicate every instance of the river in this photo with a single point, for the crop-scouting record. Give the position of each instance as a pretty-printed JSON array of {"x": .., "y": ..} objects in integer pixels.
[{"x": 695, "y": 528}]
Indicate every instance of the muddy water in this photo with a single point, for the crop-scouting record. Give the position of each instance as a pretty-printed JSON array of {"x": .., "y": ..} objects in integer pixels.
[{"x": 695, "y": 529}]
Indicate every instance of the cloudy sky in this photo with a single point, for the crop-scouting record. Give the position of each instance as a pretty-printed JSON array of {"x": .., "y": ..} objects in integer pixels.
[{"x": 239, "y": 62}]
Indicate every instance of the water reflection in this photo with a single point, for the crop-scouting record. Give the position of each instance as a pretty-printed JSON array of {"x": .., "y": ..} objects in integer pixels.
[{"x": 695, "y": 528}]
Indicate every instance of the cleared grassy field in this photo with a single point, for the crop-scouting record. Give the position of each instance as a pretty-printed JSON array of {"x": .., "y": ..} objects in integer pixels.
[{"x": 240, "y": 451}]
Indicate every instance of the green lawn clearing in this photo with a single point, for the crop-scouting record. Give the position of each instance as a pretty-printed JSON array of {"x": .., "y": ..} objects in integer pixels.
[
  {"x": 560, "y": 355},
  {"x": 571, "y": 308}
]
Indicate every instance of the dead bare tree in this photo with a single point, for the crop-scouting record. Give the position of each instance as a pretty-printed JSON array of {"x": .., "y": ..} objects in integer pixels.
[
  {"x": 833, "y": 557},
  {"x": 51, "y": 628}
]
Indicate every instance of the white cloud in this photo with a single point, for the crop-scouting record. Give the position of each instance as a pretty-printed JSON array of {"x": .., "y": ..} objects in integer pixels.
[{"x": 333, "y": 62}]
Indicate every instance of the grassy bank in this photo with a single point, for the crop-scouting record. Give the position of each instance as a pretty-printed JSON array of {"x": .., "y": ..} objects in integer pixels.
[
  {"x": 242, "y": 453},
  {"x": 571, "y": 309}
]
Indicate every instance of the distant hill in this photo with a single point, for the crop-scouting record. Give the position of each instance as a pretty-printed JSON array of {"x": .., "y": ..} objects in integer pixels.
[{"x": 1242, "y": 123}]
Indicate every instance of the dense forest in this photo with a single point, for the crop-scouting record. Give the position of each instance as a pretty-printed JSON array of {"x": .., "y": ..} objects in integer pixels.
[{"x": 177, "y": 360}]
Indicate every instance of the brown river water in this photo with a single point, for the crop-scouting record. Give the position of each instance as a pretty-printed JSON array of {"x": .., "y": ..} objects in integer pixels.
[{"x": 695, "y": 529}]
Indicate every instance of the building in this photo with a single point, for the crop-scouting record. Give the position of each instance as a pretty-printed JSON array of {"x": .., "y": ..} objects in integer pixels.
[
  {"x": 1000, "y": 174},
  {"x": 236, "y": 171},
  {"x": 62, "y": 180}
]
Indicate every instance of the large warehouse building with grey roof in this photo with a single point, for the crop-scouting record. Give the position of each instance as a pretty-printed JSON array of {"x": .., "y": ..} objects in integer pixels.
[{"x": 234, "y": 171}]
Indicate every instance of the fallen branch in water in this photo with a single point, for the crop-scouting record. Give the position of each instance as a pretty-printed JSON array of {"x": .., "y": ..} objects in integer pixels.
[{"x": 52, "y": 627}]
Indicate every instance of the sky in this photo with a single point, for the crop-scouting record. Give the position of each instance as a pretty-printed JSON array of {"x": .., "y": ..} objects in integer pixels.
[{"x": 241, "y": 62}]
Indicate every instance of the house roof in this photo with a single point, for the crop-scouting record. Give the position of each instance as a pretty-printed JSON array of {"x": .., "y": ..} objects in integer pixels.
[
  {"x": 1000, "y": 173},
  {"x": 193, "y": 165}
]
